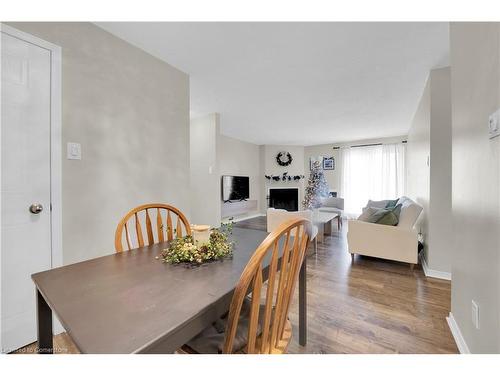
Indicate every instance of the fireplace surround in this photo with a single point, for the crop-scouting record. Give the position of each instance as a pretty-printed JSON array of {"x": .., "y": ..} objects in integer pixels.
[{"x": 284, "y": 198}]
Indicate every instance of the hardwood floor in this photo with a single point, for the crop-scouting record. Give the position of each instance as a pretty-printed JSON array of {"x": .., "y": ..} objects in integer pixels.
[
  {"x": 366, "y": 306},
  {"x": 369, "y": 306}
]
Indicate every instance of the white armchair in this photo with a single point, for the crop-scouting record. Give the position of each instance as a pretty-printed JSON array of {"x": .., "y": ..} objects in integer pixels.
[
  {"x": 398, "y": 242},
  {"x": 335, "y": 205},
  {"x": 277, "y": 216}
]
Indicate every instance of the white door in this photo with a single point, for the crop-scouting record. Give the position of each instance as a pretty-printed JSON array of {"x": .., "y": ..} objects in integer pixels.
[{"x": 25, "y": 184}]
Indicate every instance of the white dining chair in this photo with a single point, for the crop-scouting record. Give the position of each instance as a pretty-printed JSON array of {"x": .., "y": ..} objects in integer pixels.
[{"x": 276, "y": 216}]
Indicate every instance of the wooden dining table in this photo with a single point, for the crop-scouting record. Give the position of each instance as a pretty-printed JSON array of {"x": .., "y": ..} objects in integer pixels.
[{"x": 132, "y": 302}]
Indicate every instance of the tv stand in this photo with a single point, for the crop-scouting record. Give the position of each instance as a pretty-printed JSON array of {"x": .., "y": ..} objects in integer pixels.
[{"x": 237, "y": 208}]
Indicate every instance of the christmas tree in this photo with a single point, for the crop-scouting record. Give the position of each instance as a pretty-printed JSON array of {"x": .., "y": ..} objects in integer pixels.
[{"x": 317, "y": 188}]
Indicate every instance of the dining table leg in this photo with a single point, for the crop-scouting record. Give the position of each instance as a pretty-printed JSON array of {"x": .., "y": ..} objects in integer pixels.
[
  {"x": 303, "y": 304},
  {"x": 44, "y": 325}
]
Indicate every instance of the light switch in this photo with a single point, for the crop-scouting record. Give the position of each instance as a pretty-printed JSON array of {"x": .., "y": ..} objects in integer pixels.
[
  {"x": 494, "y": 124},
  {"x": 74, "y": 151}
]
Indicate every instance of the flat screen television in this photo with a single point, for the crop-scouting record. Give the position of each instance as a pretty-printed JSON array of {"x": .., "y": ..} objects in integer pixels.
[{"x": 235, "y": 188}]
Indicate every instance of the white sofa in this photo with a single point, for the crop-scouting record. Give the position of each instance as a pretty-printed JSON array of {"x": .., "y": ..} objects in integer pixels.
[
  {"x": 398, "y": 242},
  {"x": 277, "y": 216}
]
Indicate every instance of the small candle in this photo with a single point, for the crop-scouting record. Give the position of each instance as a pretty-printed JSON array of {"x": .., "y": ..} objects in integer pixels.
[{"x": 201, "y": 234}]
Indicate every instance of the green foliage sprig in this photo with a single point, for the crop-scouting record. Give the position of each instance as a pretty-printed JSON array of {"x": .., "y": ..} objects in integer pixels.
[{"x": 184, "y": 250}]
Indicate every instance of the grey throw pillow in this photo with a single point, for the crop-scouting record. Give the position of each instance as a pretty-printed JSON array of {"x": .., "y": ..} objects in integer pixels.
[
  {"x": 384, "y": 216},
  {"x": 377, "y": 204},
  {"x": 377, "y": 215},
  {"x": 391, "y": 217},
  {"x": 367, "y": 212}
]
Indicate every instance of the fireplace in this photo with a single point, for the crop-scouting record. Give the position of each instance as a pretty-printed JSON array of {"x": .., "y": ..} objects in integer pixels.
[{"x": 285, "y": 198}]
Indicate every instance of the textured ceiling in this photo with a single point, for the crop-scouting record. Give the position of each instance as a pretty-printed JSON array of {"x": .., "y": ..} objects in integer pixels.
[{"x": 299, "y": 83}]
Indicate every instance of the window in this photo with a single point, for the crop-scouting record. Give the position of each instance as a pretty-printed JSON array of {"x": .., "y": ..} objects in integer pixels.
[{"x": 372, "y": 172}]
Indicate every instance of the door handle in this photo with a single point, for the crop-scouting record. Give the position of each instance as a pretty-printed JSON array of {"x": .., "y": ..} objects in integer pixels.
[{"x": 36, "y": 208}]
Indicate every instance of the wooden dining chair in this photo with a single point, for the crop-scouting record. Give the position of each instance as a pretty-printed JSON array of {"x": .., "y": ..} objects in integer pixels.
[
  {"x": 266, "y": 328},
  {"x": 139, "y": 219}
]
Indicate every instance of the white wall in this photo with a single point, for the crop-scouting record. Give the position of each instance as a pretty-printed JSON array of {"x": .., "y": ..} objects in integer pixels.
[
  {"x": 333, "y": 177},
  {"x": 429, "y": 169},
  {"x": 204, "y": 167},
  {"x": 475, "y": 84},
  {"x": 239, "y": 158},
  {"x": 418, "y": 151},
  {"x": 440, "y": 230},
  {"x": 130, "y": 112},
  {"x": 272, "y": 167},
  {"x": 213, "y": 155}
]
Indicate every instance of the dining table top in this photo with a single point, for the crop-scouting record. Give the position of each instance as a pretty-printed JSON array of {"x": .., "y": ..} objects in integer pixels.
[{"x": 132, "y": 302}]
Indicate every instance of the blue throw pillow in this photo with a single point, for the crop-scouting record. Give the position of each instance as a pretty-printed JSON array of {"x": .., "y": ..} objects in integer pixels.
[{"x": 392, "y": 203}]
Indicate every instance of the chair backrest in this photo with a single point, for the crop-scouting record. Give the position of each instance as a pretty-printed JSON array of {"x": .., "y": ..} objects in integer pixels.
[
  {"x": 276, "y": 217},
  {"x": 282, "y": 277},
  {"x": 334, "y": 202},
  {"x": 137, "y": 224}
]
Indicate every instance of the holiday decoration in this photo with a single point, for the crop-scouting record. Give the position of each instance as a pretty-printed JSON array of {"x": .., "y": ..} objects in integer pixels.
[
  {"x": 187, "y": 250},
  {"x": 284, "y": 177},
  {"x": 284, "y": 158},
  {"x": 317, "y": 187}
]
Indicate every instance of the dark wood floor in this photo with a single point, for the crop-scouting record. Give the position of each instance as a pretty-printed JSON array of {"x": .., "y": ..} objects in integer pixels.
[{"x": 369, "y": 306}]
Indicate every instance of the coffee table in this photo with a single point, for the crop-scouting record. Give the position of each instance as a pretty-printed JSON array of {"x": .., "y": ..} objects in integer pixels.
[{"x": 323, "y": 220}]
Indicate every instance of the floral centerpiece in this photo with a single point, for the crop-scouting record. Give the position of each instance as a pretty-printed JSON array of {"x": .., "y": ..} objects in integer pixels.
[{"x": 186, "y": 250}]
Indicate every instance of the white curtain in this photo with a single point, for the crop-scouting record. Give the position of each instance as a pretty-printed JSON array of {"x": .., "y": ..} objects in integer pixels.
[{"x": 371, "y": 172}]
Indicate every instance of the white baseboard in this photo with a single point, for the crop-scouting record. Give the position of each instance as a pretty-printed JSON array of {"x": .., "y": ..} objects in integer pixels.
[
  {"x": 243, "y": 218},
  {"x": 433, "y": 273},
  {"x": 457, "y": 335},
  {"x": 57, "y": 327}
]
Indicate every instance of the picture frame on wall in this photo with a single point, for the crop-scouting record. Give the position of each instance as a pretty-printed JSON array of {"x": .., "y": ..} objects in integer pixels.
[
  {"x": 315, "y": 159},
  {"x": 329, "y": 163}
]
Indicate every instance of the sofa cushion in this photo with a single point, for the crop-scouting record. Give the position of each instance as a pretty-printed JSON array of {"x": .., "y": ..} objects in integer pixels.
[
  {"x": 391, "y": 217},
  {"x": 392, "y": 203},
  {"x": 377, "y": 204},
  {"x": 367, "y": 212},
  {"x": 384, "y": 216},
  {"x": 378, "y": 215}
]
